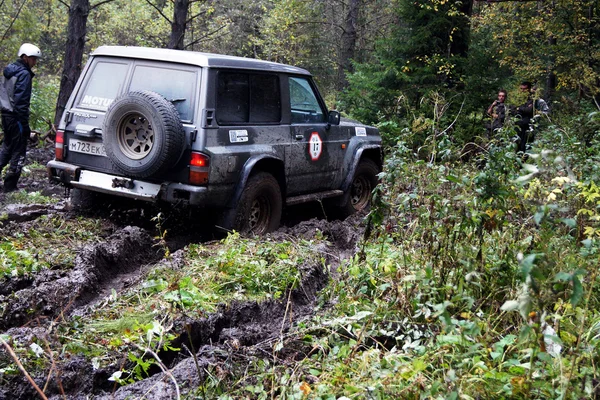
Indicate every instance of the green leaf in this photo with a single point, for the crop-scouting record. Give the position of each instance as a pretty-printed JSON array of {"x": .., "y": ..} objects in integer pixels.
[
  {"x": 542, "y": 356},
  {"x": 538, "y": 217},
  {"x": 452, "y": 178},
  {"x": 527, "y": 264},
  {"x": 563, "y": 276},
  {"x": 570, "y": 222},
  {"x": 577, "y": 291}
]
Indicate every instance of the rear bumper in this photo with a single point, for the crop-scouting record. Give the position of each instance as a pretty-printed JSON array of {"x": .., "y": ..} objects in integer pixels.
[{"x": 73, "y": 176}]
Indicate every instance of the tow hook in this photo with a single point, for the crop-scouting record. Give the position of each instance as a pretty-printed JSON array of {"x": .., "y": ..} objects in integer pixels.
[{"x": 122, "y": 183}]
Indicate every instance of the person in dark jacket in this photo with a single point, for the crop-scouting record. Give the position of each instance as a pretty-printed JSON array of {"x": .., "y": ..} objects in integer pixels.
[
  {"x": 524, "y": 113},
  {"x": 15, "y": 98}
]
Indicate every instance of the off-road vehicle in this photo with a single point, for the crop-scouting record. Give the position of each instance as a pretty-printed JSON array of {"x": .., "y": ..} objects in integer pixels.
[{"x": 241, "y": 136}]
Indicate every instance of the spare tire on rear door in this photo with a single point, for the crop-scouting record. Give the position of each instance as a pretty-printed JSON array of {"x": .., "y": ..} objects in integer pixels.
[{"x": 143, "y": 134}]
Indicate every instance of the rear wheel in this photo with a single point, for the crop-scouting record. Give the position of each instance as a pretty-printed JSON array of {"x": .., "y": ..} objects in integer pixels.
[{"x": 260, "y": 206}]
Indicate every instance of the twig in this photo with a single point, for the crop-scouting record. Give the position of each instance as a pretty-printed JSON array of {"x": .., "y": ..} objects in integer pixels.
[
  {"x": 16, "y": 359},
  {"x": 4, "y": 36},
  {"x": 159, "y": 11},
  {"x": 99, "y": 4},
  {"x": 162, "y": 366}
]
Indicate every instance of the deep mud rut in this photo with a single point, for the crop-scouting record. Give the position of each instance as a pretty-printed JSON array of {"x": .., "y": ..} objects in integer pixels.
[{"x": 32, "y": 306}]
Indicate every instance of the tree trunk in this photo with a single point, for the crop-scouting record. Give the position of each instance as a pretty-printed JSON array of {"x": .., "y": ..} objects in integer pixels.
[
  {"x": 180, "y": 15},
  {"x": 460, "y": 45},
  {"x": 349, "y": 37},
  {"x": 76, "y": 30},
  {"x": 550, "y": 75}
]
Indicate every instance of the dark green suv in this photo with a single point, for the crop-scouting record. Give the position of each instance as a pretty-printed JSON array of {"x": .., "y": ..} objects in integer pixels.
[{"x": 241, "y": 136}]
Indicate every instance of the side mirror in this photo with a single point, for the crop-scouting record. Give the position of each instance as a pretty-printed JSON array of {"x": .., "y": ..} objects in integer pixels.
[{"x": 334, "y": 118}]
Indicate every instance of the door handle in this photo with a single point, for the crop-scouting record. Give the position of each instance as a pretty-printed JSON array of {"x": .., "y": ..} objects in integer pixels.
[{"x": 299, "y": 137}]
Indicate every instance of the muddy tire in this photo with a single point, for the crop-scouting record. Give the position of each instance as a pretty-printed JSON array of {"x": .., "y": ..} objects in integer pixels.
[
  {"x": 143, "y": 134},
  {"x": 260, "y": 206},
  {"x": 358, "y": 196}
]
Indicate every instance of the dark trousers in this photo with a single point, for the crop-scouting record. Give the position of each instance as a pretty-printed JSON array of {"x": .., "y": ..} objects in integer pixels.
[
  {"x": 13, "y": 151},
  {"x": 523, "y": 132}
]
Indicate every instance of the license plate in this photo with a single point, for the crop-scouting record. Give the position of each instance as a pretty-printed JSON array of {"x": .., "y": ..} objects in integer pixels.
[{"x": 83, "y": 146}]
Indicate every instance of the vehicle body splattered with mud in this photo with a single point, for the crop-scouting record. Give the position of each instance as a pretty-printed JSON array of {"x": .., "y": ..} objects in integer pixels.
[{"x": 244, "y": 137}]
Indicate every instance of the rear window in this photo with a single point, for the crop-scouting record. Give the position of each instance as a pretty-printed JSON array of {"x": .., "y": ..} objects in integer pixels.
[
  {"x": 176, "y": 85},
  {"x": 248, "y": 98},
  {"x": 104, "y": 84}
]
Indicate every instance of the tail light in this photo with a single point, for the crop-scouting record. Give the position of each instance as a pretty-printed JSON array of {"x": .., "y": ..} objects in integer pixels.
[
  {"x": 60, "y": 145},
  {"x": 199, "y": 164}
]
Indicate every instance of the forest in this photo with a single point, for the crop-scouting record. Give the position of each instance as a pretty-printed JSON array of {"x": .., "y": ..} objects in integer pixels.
[{"x": 473, "y": 276}]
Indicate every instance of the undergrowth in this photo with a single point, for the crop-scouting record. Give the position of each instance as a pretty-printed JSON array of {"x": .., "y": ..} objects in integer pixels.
[
  {"x": 478, "y": 281},
  {"x": 47, "y": 242}
]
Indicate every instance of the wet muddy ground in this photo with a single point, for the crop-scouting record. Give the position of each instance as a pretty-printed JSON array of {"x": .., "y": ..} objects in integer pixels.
[{"x": 126, "y": 247}]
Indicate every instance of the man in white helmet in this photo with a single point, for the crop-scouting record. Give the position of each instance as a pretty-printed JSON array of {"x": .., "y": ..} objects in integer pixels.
[{"x": 15, "y": 97}]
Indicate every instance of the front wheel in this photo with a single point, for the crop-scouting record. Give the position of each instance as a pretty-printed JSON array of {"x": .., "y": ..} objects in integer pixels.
[
  {"x": 358, "y": 196},
  {"x": 260, "y": 206}
]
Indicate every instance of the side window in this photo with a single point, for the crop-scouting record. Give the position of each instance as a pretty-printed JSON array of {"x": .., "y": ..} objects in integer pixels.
[
  {"x": 175, "y": 85},
  {"x": 244, "y": 98},
  {"x": 232, "y": 98},
  {"x": 106, "y": 80},
  {"x": 303, "y": 102}
]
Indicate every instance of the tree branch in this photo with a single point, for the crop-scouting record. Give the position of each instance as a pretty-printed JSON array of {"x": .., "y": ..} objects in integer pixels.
[
  {"x": 23, "y": 370},
  {"x": 13, "y": 21},
  {"x": 194, "y": 17},
  {"x": 64, "y": 3},
  {"x": 99, "y": 4},
  {"x": 159, "y": 11},
  {"x": 205, "y": 36}
]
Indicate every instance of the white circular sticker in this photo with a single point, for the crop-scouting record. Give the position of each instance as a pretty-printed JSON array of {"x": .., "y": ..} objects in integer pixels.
[{"x": 315, "y": 146}]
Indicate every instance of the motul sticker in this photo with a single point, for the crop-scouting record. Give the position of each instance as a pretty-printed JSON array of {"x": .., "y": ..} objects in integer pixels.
[
  {"x": 96, "y": 101},
  {"x": 361, "y": 131},
  {"x": 315, "y": 146},
  {"x": 238, "y": 136}
]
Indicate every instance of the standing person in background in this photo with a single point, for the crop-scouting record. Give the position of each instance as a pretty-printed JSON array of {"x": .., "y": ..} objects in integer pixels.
[
  {"x": 498, "y": 111},
  {"x": 15, "y": 99},
  {"x": 525, "y": 113},
  {"x": 540, "y": 105}
]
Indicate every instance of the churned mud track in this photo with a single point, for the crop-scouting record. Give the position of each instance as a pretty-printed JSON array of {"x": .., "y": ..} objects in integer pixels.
[
  {"x": 244, "y": 330},
  {"x": 32, "y": 305},
  {"x": 53, "y": 292}
]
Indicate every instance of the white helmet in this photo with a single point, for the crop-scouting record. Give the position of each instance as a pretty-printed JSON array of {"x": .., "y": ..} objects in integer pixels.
[{"x": 29, "y": 50}]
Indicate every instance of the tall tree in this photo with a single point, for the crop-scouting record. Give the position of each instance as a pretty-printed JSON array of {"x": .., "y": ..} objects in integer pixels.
[
  {"x": 180, "y": 20},
  {"x": 179, "y": 23},
  {"x": 349, "y": 38},
  {"x": 76, "y": 33}
]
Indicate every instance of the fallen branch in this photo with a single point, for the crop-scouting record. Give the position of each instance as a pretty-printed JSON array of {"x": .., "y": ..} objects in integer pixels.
[
  {"x": 163, "y": 367},
  {"x": 16, "y": 359}
]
